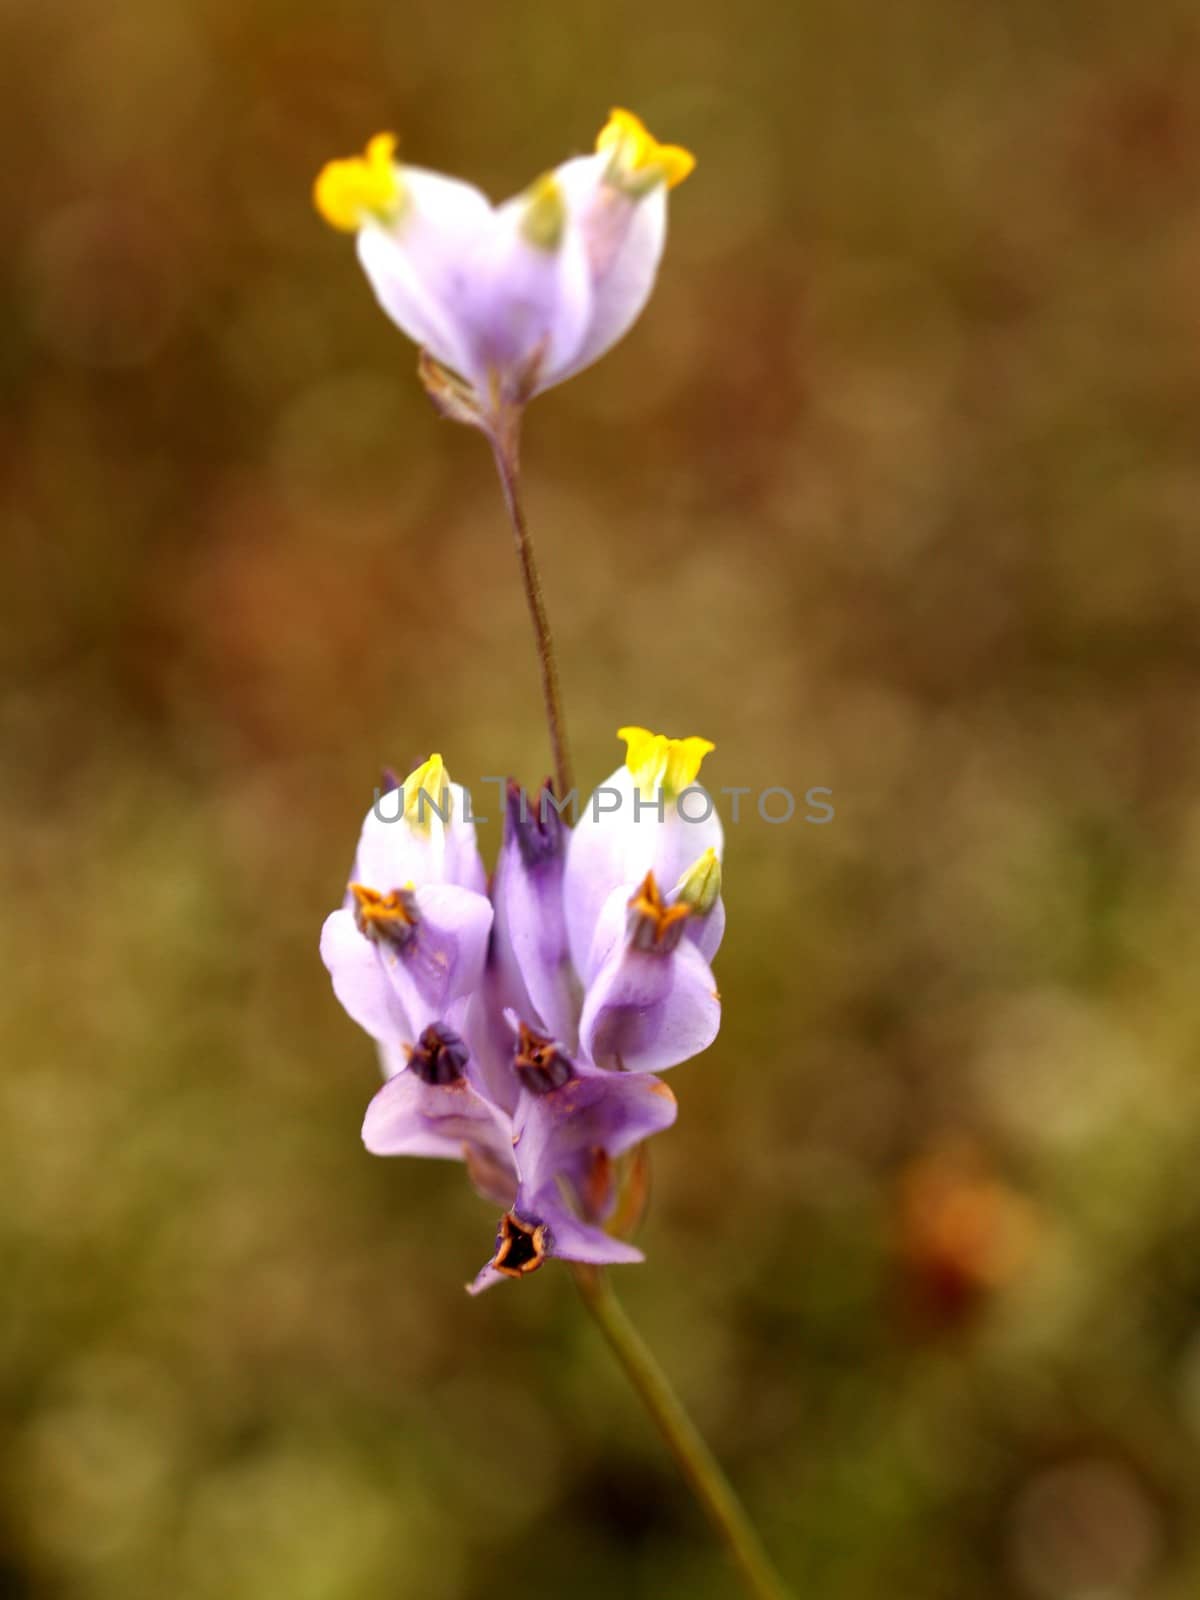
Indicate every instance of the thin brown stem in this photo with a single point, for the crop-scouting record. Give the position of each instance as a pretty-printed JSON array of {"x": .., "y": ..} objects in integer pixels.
[
  {"x": 506, "y": 449},
  {"x": 695, "y": 1460}
]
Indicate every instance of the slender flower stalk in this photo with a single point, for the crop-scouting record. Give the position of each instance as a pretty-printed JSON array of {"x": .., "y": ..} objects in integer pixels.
[
  {"x": 506, "y": 447},
  {"x": 695, "y": 1460}
]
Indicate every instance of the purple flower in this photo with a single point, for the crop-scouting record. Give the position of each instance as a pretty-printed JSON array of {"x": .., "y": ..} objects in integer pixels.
[
  {"x": 571, "y": 1125},
  {"x": 650, "y": 815},
  {"x": 651, "y": 1001},
  {"x": 434, "y": 1106},
  {"x": 401, "y": 957},
  {"x": 511, "y": 299},
  {"x": 518, "y": 1033},
  {"x": 530, "y": 946}
]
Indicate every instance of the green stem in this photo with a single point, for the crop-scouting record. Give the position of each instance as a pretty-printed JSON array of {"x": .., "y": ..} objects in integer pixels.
[{"x": 695, "y": 1460}]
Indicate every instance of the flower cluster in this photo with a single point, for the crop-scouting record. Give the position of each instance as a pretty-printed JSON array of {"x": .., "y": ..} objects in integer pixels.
[
  {"x": 506, "y": 301},
  {"x": 519, "y": 1030}
]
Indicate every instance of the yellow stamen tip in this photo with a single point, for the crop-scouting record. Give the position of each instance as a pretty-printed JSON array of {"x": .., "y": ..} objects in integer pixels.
[
  {"x": 427, "y": 794},
  {"x": 639, "y": 161},
  {"x": 701, "y": 884},
  {"x": 657, "y": 762},
  {"x": 348, "y": 193},
  {"x": 546, "y": 214}
]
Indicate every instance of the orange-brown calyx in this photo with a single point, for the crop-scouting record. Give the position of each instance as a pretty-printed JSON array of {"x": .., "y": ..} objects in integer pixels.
[
  {"x": 385, "y": 918},
  {"x": 540, "y": 1064},
  {"x": 521, "y": 1246},
  {"x": 655, "y": 926},
  {"x": 598, "y": 1184}
]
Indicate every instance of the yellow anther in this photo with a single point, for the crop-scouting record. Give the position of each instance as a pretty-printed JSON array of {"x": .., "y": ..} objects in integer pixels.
[
  {"x": 655, "y": 927},
  {"x": 545, "y": 216},
  {"x": 658, "y": 763},
  {"x": 638, "y": 160},
  {"x": 348, "y": 192},
  {"x": 427, "y": 794},
  {"x": 701, "y": 884},
  {"x": 387, "y": 917},
  {"x": 655, "y": 923}
]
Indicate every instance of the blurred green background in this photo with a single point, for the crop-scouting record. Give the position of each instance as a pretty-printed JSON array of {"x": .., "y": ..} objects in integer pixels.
[{"x": 894, "y": 490}]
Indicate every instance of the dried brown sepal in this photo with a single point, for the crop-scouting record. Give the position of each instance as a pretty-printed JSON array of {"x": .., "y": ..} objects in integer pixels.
[
  {"x": 633, "y": 1194},
  {"x": 596, "y": 1190},
  {"x": 451, "y": 396},
  {"x": 529, "y": 373}
]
